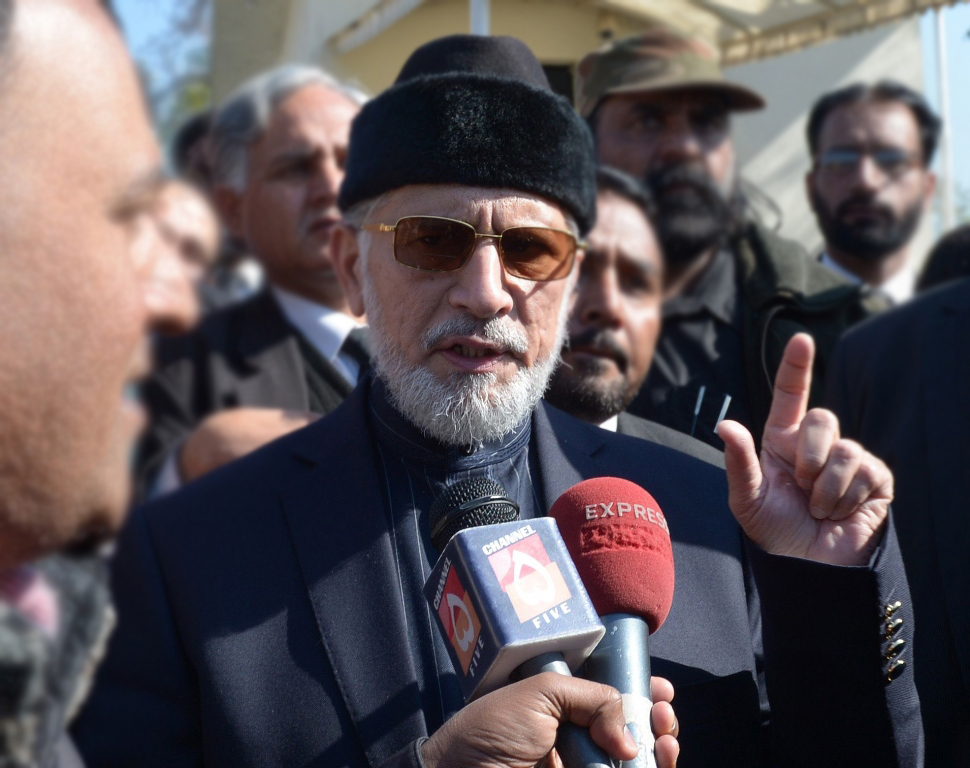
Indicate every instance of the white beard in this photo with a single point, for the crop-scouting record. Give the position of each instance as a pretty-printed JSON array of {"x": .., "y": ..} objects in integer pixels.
[{"x": 466, "y": 408}]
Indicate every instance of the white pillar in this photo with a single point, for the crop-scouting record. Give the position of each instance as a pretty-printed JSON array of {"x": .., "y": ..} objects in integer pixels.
[
  {"x": 479, "y": 13},
  {"x": 947, "y": 196}
]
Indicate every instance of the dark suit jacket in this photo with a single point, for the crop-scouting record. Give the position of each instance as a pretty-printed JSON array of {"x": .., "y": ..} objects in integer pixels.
[
  {"x": 260, "y": 620},
  {"x": 245, "y": 355},
  {"x": 901, "y": 386},
  {"x": 628, "y": 424}
]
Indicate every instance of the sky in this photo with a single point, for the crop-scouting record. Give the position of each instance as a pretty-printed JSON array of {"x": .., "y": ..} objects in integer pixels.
[
  {"x": 144, "y": 19},
  {"x": 956, "y": 21}
]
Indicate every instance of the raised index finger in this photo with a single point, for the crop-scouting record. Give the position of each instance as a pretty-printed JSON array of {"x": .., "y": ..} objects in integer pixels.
[{"x": 792, "y": 383}]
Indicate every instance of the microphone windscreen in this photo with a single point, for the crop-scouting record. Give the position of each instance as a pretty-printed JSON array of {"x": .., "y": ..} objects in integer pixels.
[
  {"x": 469, "y": 504},
  {"x": 619, "y": 540}
]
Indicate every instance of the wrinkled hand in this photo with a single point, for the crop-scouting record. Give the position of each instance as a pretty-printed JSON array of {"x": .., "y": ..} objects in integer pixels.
[
  {"x": 229, "y": 435},
  {"x": 813, "y": 494},
  {"x": 515, "y": 726}
]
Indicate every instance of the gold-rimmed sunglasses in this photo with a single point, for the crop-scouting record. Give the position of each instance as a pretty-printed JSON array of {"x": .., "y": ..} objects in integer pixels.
[{"x": 438, "y": 244}]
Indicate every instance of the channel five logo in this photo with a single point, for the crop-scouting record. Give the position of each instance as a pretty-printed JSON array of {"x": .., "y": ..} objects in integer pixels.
[
  {"x": 533, "y": 583},
  {"x": 459, "y": 619}
]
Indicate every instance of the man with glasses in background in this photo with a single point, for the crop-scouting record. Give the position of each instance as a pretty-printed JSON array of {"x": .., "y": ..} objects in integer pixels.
[{"x": 870, "y": 182}]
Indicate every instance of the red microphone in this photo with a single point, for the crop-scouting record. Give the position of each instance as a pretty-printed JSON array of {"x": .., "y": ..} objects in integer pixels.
[{"x": 619, "y": 540}]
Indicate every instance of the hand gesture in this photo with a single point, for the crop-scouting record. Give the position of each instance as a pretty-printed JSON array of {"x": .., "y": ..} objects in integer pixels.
[
  {"x": 515, "y": 726},
  {"x": 228, "y": 435},
  {"x": 812, "y": 494}
]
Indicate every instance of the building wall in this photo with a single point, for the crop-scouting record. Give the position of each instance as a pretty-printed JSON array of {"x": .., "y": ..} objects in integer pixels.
[
  {"x": 558, "y": 33},
  {"x": 254, "y": 34},
  {"x": 248, "y": 37}
]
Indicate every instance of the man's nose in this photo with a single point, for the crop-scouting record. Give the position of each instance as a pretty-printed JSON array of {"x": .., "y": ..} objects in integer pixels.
[
  {"x": 170, "y": 299},
  {"x": 678, "y": 141},
  {"x": 867, "y": 176},
  {"x": 481, "y": 287},
  {"x": 326, "y": 182},
  {"x": 598, "y": 302}
]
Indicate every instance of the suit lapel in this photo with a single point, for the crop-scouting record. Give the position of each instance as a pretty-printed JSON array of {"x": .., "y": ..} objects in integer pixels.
[
  {"x": 339, "y": 529},
  {"x": 268, "y": 347},
  {"x": 564, "y": 453},
  {"x": 947, "y": 384}
]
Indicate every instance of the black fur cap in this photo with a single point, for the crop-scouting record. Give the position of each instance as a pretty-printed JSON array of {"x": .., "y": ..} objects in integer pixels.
[{"x": 476, "y": 111}]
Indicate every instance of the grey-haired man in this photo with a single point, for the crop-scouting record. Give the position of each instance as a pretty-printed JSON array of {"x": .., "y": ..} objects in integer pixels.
[{"x": 256, "y": 371}]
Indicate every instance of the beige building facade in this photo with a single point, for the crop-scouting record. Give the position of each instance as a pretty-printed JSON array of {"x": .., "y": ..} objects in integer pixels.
[{"x": 367, "y": 41}]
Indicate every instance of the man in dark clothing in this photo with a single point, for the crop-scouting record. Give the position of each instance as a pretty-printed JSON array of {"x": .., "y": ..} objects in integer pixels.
[
  {"x": 736, "y": 293},
  {"x": 899, "y": 385}
]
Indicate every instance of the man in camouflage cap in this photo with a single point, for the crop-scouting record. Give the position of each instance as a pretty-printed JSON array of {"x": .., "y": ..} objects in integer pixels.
[{"x": 659, "y": 107}]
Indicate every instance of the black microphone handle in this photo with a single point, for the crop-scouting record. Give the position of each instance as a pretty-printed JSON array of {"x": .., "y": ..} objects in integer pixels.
[
  {"x": 575, "y": 746},
  {"x": 622, "y": 660}
]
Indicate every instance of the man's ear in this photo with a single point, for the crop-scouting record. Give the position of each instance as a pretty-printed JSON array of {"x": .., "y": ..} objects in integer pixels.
[
  {"x": 345, "y": 254},
  {"x": 229, "y": 204}
]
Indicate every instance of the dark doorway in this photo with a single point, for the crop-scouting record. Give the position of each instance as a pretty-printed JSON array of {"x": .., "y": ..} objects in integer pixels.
[{"x": 561, "y": 79}]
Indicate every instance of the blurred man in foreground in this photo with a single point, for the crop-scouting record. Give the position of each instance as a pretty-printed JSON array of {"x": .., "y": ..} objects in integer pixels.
[
  {"x": 660, "y": 110},
  {"x": 272, "y": 614},
  {"x": 257, "y": 370},
  {"x": 870, "y": 182},
  {"x": 78, "y": 249}
]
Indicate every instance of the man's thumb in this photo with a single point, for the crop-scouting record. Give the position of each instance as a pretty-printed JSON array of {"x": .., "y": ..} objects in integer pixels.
[{"x": 743, "y": 468}]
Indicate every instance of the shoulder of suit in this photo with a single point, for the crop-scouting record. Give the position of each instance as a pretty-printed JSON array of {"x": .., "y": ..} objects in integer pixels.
[
  {"x": 657, "y": 443},
  {"x": 216, "y": 331},
  {"x": 902, "y": 322},
  {"x": 671, "y": 438},
  {"x": 784, "y": 267}
]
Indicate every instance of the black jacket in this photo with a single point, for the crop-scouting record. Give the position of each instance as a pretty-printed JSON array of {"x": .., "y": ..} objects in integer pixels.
[
  {"x": 780, "y": 292},
  {"x": 901, "y": 386},
  {"x": 784, "y": 292},
  {"x": 261, "y": 623}
]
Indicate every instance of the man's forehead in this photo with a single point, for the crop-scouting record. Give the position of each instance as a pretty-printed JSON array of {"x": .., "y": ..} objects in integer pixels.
[
  {"x": 312, "y": 109},
  {"x": 624, "y": 228},
  {"x": 883, "y": 122}
]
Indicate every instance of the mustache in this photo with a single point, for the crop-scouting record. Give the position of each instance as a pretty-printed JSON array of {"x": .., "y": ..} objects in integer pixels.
[
  {"x": 500, "y": 331},
  {"x": 598, "y": 339},
  {"x": 869, "y": 202},
  {"x": 661, "y": 180}
]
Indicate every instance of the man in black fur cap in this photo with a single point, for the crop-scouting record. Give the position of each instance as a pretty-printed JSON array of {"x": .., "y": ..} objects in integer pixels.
[{"x": 271, "y": 614}]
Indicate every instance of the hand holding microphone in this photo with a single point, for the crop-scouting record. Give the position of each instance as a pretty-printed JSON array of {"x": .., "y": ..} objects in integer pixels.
[
  {"x": 511, "y": 604},
  {"x": 619, "y": 540}
]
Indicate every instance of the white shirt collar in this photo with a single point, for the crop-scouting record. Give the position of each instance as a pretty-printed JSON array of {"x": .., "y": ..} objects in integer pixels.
[
  {"x": 900, "y": 287},
  {"x": 611, "y": 423},
  {"x": 326, "y": 329}
]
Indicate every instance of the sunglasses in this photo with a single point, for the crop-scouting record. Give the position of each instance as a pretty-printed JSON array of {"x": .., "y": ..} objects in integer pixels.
[
  {"x": 437, "y": 244},
  {"x": 892, "y": 162}
]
